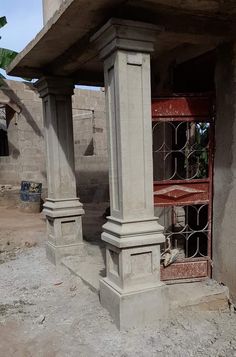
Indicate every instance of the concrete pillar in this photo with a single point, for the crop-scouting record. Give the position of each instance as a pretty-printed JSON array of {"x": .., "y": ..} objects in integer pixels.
[
  {"x": 49, "y": 9},
  {"x": 224, "y": 202},
  {"x": 63, "y": 209},
  {"x": 131, "y": 291}
]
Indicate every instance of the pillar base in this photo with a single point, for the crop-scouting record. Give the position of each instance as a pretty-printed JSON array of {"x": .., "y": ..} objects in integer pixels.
[
  {"x": 137, "y": 308},
  {"x": 55, "y": 253},
  {"x": 64, "y": 228}
]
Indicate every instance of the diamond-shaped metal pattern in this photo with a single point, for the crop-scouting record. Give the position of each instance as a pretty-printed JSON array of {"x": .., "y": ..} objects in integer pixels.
[{"x": 176, "y": 192}]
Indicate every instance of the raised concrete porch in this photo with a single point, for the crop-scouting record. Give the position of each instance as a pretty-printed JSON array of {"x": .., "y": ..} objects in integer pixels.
[
  {"x": 205, "y": 295},
  {"x": 200, "y": 295}
]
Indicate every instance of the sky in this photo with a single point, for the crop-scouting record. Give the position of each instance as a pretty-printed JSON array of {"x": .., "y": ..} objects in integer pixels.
[{"x": 24, "y": 19}]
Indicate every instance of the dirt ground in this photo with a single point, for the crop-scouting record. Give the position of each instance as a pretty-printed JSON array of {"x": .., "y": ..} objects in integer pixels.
[{"x": 47, "y": 312}]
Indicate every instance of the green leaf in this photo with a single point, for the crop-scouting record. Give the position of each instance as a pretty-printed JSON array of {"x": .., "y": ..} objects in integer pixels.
[
  {"x": 6, "y": 57},
  {"x": 3, "y": 21}
]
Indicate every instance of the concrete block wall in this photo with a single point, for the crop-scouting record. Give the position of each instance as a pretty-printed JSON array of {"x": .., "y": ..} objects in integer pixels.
[
  {"x": 91, "y": 157},
  {"x": 27, "y": 148},
  {"x": 224, "y": 203},
  {"x": 25, "y": 136}
]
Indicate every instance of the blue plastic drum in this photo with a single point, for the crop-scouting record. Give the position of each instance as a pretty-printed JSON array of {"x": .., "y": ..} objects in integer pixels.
[{"x": 30, "y": 191}]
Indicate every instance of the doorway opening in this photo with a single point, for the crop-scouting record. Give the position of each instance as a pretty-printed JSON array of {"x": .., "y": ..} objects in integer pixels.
[{"x": 183, "y": 148}]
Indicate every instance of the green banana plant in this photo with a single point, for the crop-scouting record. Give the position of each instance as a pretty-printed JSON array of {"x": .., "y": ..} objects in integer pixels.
[
  {"x": 3, "y": 21},
  {"x": 6, "y": 55}
]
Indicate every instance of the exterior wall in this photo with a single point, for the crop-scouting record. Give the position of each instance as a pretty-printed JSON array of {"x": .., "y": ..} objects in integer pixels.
[
  {"x": 224, "y": 205},
  {"x": 25, "y": 137},
  {"x": 26, "y": 142},
  {"x": 91, "y": 157}
]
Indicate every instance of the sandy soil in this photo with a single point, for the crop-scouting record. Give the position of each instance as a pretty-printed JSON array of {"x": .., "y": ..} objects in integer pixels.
[{"x": 48, "y": 312}]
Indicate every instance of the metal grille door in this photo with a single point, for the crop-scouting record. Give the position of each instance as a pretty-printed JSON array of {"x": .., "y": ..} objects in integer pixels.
[{"x": 183, "y": 133}]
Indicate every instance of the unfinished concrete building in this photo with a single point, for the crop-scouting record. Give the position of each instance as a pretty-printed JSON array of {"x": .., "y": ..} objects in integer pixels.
[
  {"x": 22, "y": 148},
  {"x": 168, "y": 67}
]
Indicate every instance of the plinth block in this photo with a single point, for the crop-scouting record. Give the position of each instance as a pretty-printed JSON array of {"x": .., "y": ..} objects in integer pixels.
[
  {"x": 135, "y": 309},
  {"x": 55, "y": 253}
]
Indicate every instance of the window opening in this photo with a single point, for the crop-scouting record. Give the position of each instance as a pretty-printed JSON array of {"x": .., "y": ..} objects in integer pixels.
[{"x": 4, "y": 147}]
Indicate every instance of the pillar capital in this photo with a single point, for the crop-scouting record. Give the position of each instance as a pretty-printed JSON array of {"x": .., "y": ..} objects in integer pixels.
[
  {"x": 126, "y": 35},
  {"x": 54, "y": 86}
]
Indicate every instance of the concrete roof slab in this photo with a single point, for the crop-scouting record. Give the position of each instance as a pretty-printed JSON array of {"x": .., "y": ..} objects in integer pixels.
[{"x": 63, "y": 47}]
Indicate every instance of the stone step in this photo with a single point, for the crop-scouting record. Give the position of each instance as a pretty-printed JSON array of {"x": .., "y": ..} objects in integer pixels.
[
  {"x": 198, "y": 296},
  {"x": 90, "y": 266},
  {"x": 206, "y": 295}
]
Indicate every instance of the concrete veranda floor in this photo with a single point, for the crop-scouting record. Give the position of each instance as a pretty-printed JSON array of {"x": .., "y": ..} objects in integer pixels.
[{"x": 47, "y": 311}]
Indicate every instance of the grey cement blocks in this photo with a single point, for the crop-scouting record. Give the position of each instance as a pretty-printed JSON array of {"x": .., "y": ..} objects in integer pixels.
[{"x": 27, "y": 159}]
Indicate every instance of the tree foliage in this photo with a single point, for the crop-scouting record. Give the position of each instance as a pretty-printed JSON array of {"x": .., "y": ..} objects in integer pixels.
[
  {"x": 6, "y": 55},
  {"x": 3, "y": 21}
]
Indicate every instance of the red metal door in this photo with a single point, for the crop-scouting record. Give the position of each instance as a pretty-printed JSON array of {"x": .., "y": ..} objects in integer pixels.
[{"x": 183, "y": 135}]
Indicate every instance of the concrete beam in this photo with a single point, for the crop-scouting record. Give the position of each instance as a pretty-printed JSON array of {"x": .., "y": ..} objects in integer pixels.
[
  {"x": 69, "y": 25},
  {"x": 63, "y": 48},
  {"x": 49, "y": 8}
]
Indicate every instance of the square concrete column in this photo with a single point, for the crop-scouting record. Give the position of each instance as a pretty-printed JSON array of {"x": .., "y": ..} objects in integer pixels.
[
  {"x": 62, "y": 208},
  {"x": 131, "y": 291}
]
